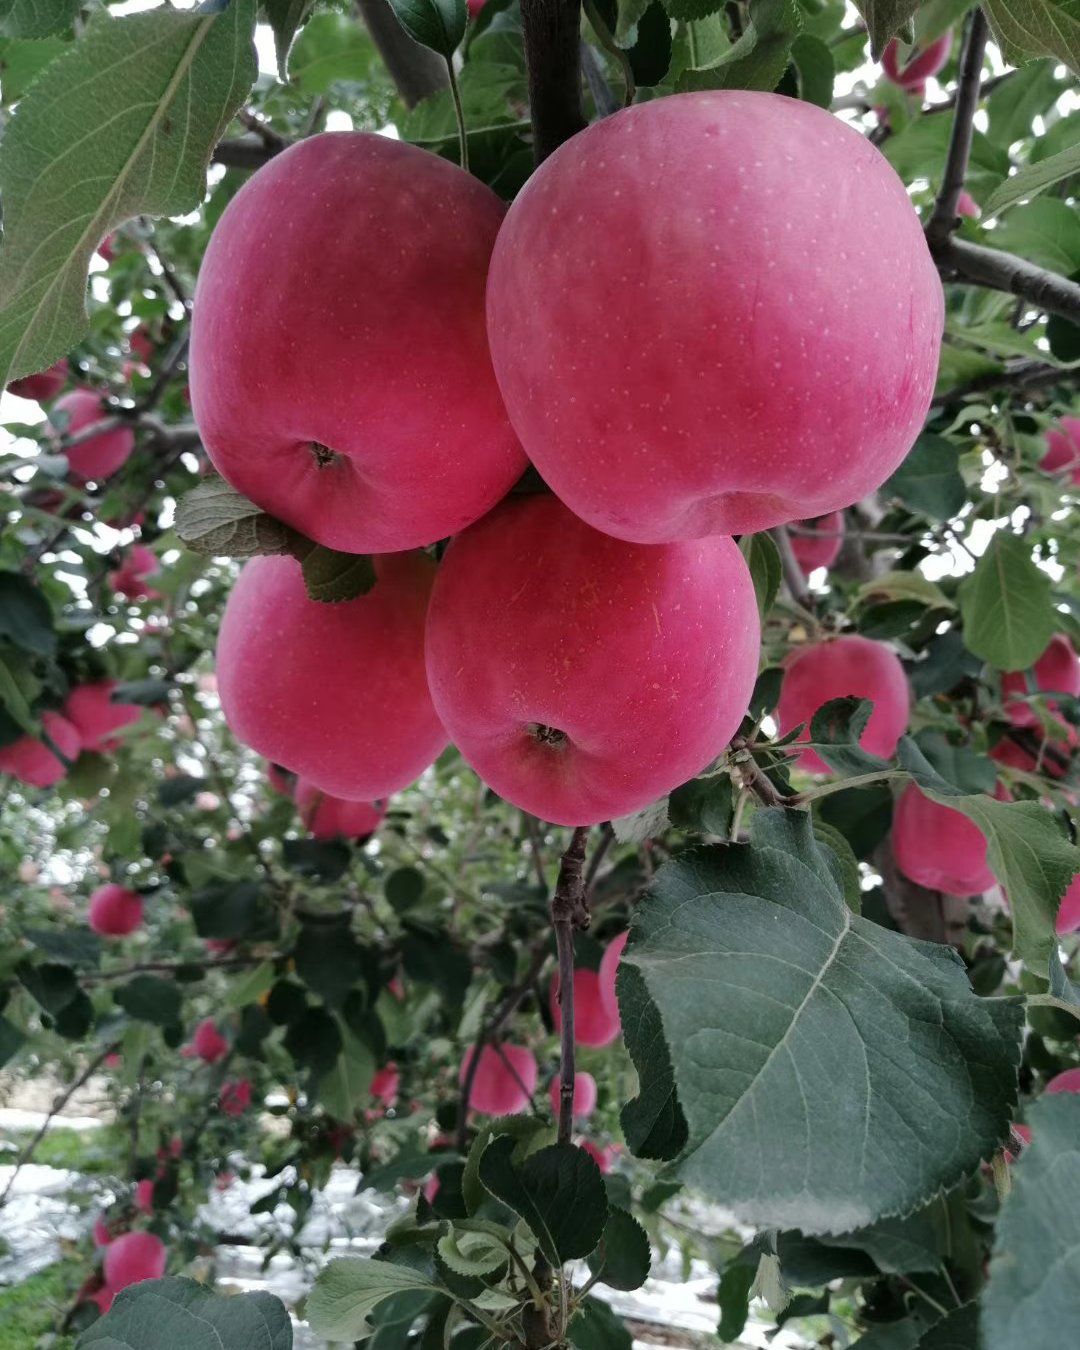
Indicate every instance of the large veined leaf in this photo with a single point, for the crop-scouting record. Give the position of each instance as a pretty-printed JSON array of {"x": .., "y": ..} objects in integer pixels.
[
  {"x": 122, "y": 124},
  {"x": 759, "y": 58},
  {"x": 1037, "y": 28},
  {"x": 831, "y": 1072},
  {"x": 1006, "y": 604},
  {"x": 178, "y": 1314},
  {"x": 1034, "y": 1288},
  {"x": 347, "y": 1290},
  {"x": 36, "y": 18}
]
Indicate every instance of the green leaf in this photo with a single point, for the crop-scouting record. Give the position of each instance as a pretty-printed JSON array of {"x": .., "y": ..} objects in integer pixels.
[
  {"x": 22, "y": 62},
  {"x": 149, "y": 999},
  {"x": 314, "y": 1040},
  {"x": 558, "y": 1191},
  {"x": 404, "y": 887},
  {"x": 25, "y": 615},
  {"x": 251, "y": 986},
  {"x": 759, "y": 58},
  {"x": 50, "y": 984},
  {"x": 329, "y": 960},
  {"x": 232, "y": 909},
  {"x": 733, "y": 1296},
  {"x": 11, "y": 1041},
  {"x": 596, "y": 1327},
  {"x": 842, "y": 863},
  {"x": 884, "y": 20},
  {"x": 474, "y": 1248},
  {"x": 832, "y": 1072},
  {"x": 816, "y": 69},
  {"x": 148, "y": 96},
  {"x": 623, "y": 1259},
  {"x": 438, "y": 24},
  {"x": 13, "y": 698},
  {"x": 36, "y": 18},
  {"x": 348, "y": 1289},
  {"x": 1006, "y": 604},
  {"x": 653, "y": 1121},
  {"x": 763, "y": 559},
  {"x": 1036, "y": 28},
  {"x": 215, "y": 520},
  {"x": 1033, "y": 179},
  {"x": 333, "y": 47},
  {"x": 331, "y": 577},
  {"x": 344, "y": 1090},
  {"x": 73, "y": 946},
  {"x": 285, "y": 17},
  {"x": 176, "y": 1312},
  {"x": 929, "y": 479},
  {"x": 1045, "y": 231},
  {"x": 525, "y": 1131}
]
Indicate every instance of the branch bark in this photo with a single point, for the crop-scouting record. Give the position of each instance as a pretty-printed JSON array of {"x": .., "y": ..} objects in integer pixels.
[
  {"x": 999, "y": 271},
  {"x": 551, "y": 31},
  {"x": 417, "y": 71},
  {"x": 944, "y": 217}
]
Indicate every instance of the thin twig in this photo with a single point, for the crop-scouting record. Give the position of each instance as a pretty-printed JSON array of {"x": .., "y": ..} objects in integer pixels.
[
  {"x": 551, "y": 33},
  {"x": 944, "y": 217},
  {"x": 793, "y": 573},
  {"x": 568, "y": 911}
]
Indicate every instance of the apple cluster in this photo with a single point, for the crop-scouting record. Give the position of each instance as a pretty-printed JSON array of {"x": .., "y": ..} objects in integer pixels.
[{"x": 685, "y": 337}]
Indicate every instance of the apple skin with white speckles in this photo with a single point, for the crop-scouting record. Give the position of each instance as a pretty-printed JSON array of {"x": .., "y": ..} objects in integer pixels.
[
  {"x": 340, "y": 303},
  {"x": 581, "y": 676},
  {"x": 714, "y": 313}
]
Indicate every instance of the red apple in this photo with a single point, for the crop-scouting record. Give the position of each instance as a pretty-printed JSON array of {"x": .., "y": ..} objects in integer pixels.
[
  {"x": 384, "y": 1086},
  {"x": 235, "y": 1096},
  {"x": 1063, "y": 453},
  {"x": 505, "y": 1079},
  {"x": 91, "y": 710},
  {"x": 340, "y": 373},
  {"x": 603, "y": 1157},
  {"x": 208, "y": 1044},
  {"x": 1051, "y": 757},
  {"x": 609, "y": 969},
  {"x": 937, "y": 847},
  {"x": 838, "y": 668},
  {"x": 43, "y": 386},
  {"x": 99, "y": 457},
  {"x": 816, "y": 543},
  {"x": 583, "y": 677},
  {"x": 920, "y": 65},
  {"x": 328, "y": 817},
  {"x": 584, "y": 1095},
  {"x": 144, "y": 1196},
  {"x": 32, "y": 762},
  {"x": 132, "y": 1258},
  {"x": 1068, "y": 1081},
  {"x": 115, "y": 911},
  {"x": 335, "y": 692},
  {"x": 1068, "y": 916},
  {"x": 700, "y": 328},
  {"x": 100, "y": 1232},
  {"x": 966, "y": 205},
  {"x": 1057, "y": 671},
  {"x": 595, "y": 1021},
  {"x": 129, "y": 579}
]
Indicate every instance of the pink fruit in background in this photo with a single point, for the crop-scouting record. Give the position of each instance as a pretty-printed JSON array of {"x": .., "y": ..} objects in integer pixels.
[
  {"x": 92, "y": 711},
  {"x": 1068, "y": 915},
  {"x": 1068, "y": 1081},
  {"x": 774, "y": 385},
  {"x": 113, "y": 1061},
  {"x": 595, "y": 1021},
  {"x": 583, "y": 677},
  {"x": 384, "y": 1086},
  {"x": 1057, "y": 671},
  {"x": 328, "y": 817},
  {"x": 129, "y": 579},
  {"x": 1063, "y": 453},
  {"x": 32, "y": 762},
  {"x": 920, "y": 65},
  {"x": 219, "y": 946},
  {"x": 966, "y": 205},
  {"x": 208, "y": 1044},
  {"x": 142, "y": 344},
  {"x": 132, "y": 1258},
  {"x": 937, "y": 847},
  {"x": 100, "y": 456},
  {"x": 43, "y": 386},
  {"x": 816, "y": 543},
  {"x": 609, "y": 969},
  {"x": 336, "y": 693},
  {"x": 603, "y": 1157},
  {"x": 844, "y": 667},
  {"x": 235, "y": 1096},
  {"x": 281, "y": 780},
  {"x": 475, "y": 6},
  {"x": 584, "y": 1095},
  {"x": 346, "y": 385},
  {"x": 115, "y": 911},
  {"x": 505, "y": 1079},
  {"x": 144, "y": 1196},
  {"x": 102, "y": 1236},
  {"x": 103, "y": 1296},
  {"x": 1051, "y": 757}
]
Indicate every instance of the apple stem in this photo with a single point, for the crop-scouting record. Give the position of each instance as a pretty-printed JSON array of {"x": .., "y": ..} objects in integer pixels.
[
  {"x": 568, "y": 911},
  {"x": 459, "y": 113}
]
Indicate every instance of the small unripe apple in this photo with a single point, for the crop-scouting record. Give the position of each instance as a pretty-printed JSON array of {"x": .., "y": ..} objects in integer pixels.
[
  {"x": 327, "y": 817},
  {"x": 32, "y": 762},
  {"x": 235, "y": 1096},
  {"x": 115, "y": 911},
  {"x": 937, "y": 847},
  {"x": 596, "y": 1023},
  {"x": 335, "y": 692},
  {"x": 98, "y": 457},
  {"x": 132, "y": 1258},
  {"x": 583, "y": 677},
  {"x": 699, "y": 328},
  {"x": 91, "y": 710},
  {"x": 505, "y": 1079},
  {"x": 816, "y": 543},
  {"x": 129, "y": 579},
  {"x": 208, "y": 1044},
  {"x": 584, "y": 1095},
  {"x": 1067, "y": 1081},
  {"x": 1068, "y": 916},
  {"x": 609, "y": 969},
  {"x": 1057, "y": 671},
  {"x": 842, "y": 667},
  {"x": 43, "y": 386},
  {"x": 340, "y": 373},
  {"x": 1063, "y": 453},
  {"x": 920, "y": 66}
]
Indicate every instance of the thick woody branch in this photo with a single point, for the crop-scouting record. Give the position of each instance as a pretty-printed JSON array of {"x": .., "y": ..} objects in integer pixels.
[
  {"x": 551, "y": 31},
  {"x": 961, "y": 260},
  {"x": 944, "y": 217}
]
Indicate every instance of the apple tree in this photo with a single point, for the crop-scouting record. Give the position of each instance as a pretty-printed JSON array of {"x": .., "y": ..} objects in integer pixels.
[{"x": 538, "y": 659}]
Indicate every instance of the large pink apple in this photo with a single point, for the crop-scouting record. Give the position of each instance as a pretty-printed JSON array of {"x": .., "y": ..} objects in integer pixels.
[
  {"x": 43, "y": 386},
  {"x": 98, "y": 457},
  {"x": 1057, "y": 671},
  {"x": 581, "y": 676},
  {"x": 340, "y": 373},
  {"x": 1063, "y": 453},
  {"x": 335, "y": 692},
  {"x": 937, "y": 847},
  {"x": 132, "y": 1258},
  {"x": 816, "y": 543},
  {"x": 843, "y": 667},
  {"x": 327, "y": 817},
  {"x": 32, "y": 762},
  {"x": 505, "y": 1079},
  {"x": 700, "y": 326},
  {"x": 115, "y": 911},
  {"x": 584, "y": 1095},
  {"x": 596, "y": 1022},
  {"x": 91, "y": 709},
  {"x": 913, "y": 75}
]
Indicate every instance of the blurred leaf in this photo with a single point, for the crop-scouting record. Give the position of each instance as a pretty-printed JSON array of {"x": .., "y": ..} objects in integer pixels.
[
  {"x": 36, "y": 18},
  {"x": 314, "y": 1040},
  {"x": 759, "y": 58},
  {"x": 345, "y": 1088},
  {"x": 816, "y": 70},
  {"x": 26, "y": 615},
  {"x": 595, "y": 1327},
  {"x": 1045, "y": 231},
  {"x": 285, "y": 17},
  {"x": 173, "y": 1313},
  {"x": 558, "y": 1191},
  {"x": 929, "y": 479},
  {"x": 348, "y": 1289},
  {"x": 332, "y": 47},
  {"x": 1006, "y": 604},
  {"x": 149, "y": 999},
  {"x": 763, "y": 559}
]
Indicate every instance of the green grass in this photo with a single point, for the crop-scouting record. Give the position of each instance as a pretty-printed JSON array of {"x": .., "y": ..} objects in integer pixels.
[
  {"x": 31, "y": 1309},
  {"x": 98, "y": 1151}
]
